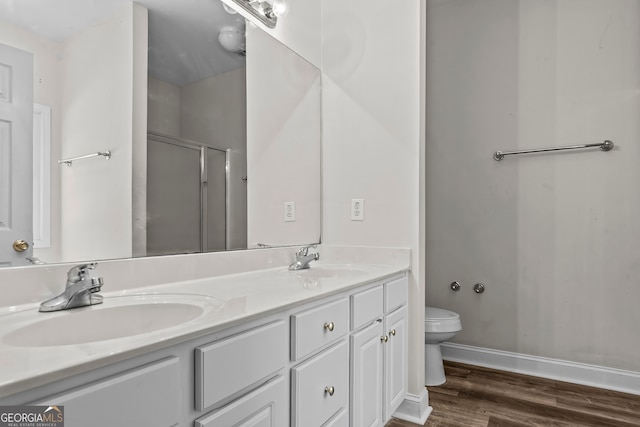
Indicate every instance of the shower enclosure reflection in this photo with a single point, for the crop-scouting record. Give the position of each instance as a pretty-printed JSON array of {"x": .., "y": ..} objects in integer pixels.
[{"x": 187, "y": 199}]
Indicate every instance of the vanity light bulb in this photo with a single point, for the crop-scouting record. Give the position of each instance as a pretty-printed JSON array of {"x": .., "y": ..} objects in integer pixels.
[
  {"x": 279, "y": 8},
  {"x": 229, "y": 10}
]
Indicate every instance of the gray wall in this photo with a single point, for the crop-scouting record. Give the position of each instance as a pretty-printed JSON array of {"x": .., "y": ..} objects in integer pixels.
[{"x": 553, "y": 237}]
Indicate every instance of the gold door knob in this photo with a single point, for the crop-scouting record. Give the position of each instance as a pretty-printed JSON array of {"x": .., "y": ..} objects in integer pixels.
[
  {"x": 20, "y": 245},
  {"x": 392, "y": 332},
  {"x": 329, "y": 326},
  {"x": 384, "y": 338},
  {"x": 329, "y": 390}
]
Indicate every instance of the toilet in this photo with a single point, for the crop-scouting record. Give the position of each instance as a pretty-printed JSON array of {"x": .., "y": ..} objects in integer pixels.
[{"x": 439, "y": 326}]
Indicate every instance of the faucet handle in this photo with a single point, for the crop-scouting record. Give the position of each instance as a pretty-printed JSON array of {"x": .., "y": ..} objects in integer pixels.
[
  {"x": 78, "y": 273},
  {"x": 304, "y": 251}
]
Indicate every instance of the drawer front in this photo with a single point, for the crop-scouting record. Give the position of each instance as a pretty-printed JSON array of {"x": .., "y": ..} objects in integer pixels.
[
  {"x": 396, "y": 293},
  {"x": 320, "y": 326},
  {"x": 366, "y": 307},
  {"x": 146, "y": 396},
  {"x": 265, "y": 407},
  {"x": 320, "y": 387},
  {"x": 233, "y": 365}
]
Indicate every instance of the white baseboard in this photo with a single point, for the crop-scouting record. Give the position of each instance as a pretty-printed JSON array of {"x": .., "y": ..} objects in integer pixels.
[
  {"x": 414, "y": 408},
  {"x": 561, "y": 370}
]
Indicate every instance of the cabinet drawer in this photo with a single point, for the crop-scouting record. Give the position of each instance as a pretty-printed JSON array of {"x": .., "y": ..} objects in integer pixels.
[
  {"x": 146, "y": 396},
  {"x": 312, "y": 404},
  {"x": 315, "y": 328},
  {"x": 266, "y": 407},
  {"x": 366, "y": 306},
  {"x": 396, "y": 293},
  {"x": 232, "y": 365}
]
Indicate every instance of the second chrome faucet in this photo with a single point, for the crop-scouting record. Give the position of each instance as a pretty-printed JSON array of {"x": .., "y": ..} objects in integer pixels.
[{"x": 303, "y": 258}]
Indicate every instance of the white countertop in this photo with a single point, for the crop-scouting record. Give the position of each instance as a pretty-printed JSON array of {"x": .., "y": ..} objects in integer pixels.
[{"x": 232, "y": 299}]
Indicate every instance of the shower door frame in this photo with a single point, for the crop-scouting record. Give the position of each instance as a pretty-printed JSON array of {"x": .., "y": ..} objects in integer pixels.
[{"x": 204, "y": 169}]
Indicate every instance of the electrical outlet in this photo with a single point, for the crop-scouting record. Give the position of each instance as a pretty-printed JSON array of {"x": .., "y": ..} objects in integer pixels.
[
  {"x": 289, "y": 211},
  {"x": 357, "y": 209}
]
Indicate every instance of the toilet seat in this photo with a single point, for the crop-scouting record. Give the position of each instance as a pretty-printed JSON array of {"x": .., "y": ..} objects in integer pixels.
[{"x": 440, "y": 320}]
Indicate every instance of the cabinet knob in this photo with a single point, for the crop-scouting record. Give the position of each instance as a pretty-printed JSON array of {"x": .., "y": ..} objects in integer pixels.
[
  {"x": 384, "y": 338},
  {"x": 329, "y": 390},
  {"x": 329, "y": 326},
  {"x": 392, "y": 332}
]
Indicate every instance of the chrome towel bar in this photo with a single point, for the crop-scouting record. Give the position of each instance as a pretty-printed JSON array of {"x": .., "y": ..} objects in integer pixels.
[
  {"x": 68, "y": 162},
  {"x": 604, "y": 146}
]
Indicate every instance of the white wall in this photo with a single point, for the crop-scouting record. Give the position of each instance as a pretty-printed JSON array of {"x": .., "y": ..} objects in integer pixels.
[
  {"x": 98, "y": 103},
  {"x": 553, "y": 237},
  {"x": 371, "y": 137},
  {"x": 283, "y": 143}
]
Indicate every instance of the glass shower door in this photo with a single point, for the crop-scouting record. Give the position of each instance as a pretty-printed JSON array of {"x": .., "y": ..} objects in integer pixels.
[
  {"x": 186, "y": 197},
  {"x": 173, "y": 199}
]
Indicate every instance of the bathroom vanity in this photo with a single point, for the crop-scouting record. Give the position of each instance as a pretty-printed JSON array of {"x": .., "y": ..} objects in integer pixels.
[{"x": 321, "y": 347}]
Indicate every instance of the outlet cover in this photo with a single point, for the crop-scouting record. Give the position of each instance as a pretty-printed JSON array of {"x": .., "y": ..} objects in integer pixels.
[
  {"x": 357, "y": 209},
  {"x": 289, "y": 211}
]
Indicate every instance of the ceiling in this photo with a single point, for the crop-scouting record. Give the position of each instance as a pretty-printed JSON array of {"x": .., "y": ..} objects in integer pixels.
[{"x": 183, "y": 34}]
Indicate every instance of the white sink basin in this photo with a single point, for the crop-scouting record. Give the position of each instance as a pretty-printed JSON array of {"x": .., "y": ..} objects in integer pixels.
[{"x": 116, "y": 317}]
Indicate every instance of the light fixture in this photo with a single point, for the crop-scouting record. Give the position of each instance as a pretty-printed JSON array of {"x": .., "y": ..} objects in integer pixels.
[
  {"x": 232, "y": 39},
  {"x": 279, "y": 8},
  {"x": 263, "y": 11}
]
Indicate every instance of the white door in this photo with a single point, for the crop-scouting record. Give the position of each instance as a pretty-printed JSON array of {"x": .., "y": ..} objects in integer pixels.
[{"x": 16, "y": 146}]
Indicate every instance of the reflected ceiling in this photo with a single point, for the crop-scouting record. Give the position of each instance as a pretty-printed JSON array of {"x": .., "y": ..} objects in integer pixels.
[{"x": 177, "y": 29}]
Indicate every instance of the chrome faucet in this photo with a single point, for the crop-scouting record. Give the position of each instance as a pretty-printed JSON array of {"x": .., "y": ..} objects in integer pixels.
[
  {"x": 303, "y": 258},
  {"x": 80, "y": 291}
]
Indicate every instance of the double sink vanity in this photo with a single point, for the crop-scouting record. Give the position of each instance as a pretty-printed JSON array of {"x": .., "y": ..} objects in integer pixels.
[{"x": 324, "y": 346}]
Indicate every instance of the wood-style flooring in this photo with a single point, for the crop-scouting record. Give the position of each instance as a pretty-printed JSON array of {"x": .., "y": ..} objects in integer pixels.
[{"x": 477, "y": 397}]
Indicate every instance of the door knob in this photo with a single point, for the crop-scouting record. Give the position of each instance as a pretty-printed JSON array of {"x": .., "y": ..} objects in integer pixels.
[{"x": 20, "y": 245}]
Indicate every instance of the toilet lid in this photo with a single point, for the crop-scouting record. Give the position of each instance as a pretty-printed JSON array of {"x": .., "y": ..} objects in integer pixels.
[{"x": 433, "y": 313}]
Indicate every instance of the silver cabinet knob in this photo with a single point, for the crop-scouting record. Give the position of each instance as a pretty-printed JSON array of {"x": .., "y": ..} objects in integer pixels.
[
  {"x": 384, "y": 338},
  {"x": 329, "y": 326},
  {"x": 455, "y": 286},
  {"x": 478, "y": 288},
  {"x": 392, "y": 332},
  {"x": 329, "y": 390}
]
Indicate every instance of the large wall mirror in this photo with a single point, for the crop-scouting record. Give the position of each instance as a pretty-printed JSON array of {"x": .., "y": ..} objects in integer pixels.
[{"x": 180, "y": 128}]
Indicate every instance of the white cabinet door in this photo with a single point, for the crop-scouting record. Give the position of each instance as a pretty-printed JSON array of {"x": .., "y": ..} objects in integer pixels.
[
  {"x": 395, "y": 360},
  {"x": 146, "y": 397},
  {"x": 366, "y": 376}
]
